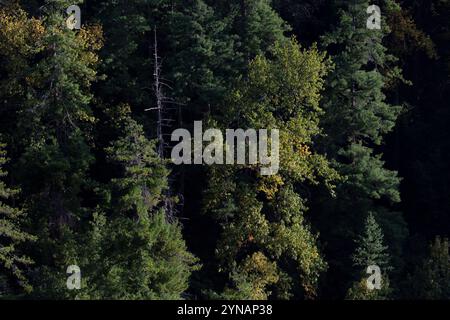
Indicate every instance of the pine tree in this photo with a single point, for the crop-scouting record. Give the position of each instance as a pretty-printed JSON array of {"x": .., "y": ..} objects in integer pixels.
[
  {"x": 256, "y": 26},
  {"x": 135, "y": 248},
  {"x": 126, "y": 56},
  {"x": 370, "y": 251},
  {"x": 12, "y": 236},
  {"x": 356, "y": 106},
  {"x": 266, "y": 241},
  {"x": 53, "y": 137},
  {"x": 357, "y": 117},
  {"x": 195, "y": 43},
  {"x": 370, "y": 248},
  {"x": 201, "y": 57}
]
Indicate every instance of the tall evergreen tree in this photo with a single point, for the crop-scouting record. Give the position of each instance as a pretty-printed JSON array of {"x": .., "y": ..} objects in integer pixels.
[
  {"x": 96, "y": 194},
  {"x": 255, "y": 24},
  {"x": 197, "y": 50},
  {"x": 201, "y": 58},
  {"x": 17, "y": 36},
  {"x": 20, "y": 40},
  {"x": 370, "y": 248},
  {"x": 357, "y": 118},
  {"x": 135, "y": 249},
  {"x": 370, "y": 251},
  {"x": 12, "y": 236},
  {"x": 52, "y": 136}
]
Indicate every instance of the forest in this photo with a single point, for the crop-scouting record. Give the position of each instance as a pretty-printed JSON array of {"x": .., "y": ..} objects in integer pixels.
[{"x": 93, "y": 207}]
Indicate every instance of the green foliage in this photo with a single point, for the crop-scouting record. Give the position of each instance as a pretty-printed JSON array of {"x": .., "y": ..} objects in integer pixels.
[
  {"x": 94, "y": 192},
  {"x": 252, "y": 279},
  {"x": 197, "y": 34},
  {"x": 357, "y": 118},
  {"x": 144, "y": 176},
  {"x": 360, "y": 291},
  {"x": 125, "y": 62},
  {"x": 355, "y": 103},
  {"x": 135, "y": 248},
  {"x": 370, "y": 251},
  {"x": 56, "y": 126},
  {"x": 52, "y": 134},
  {"x": 370, "y": 248},
  {"x": 136, "y": 259},
  {"x": 366, "y": 175},
  {"x": 256, "y": 25},
  {"x": 263, "y": 217},
  {"x": 186, "y": 31}
]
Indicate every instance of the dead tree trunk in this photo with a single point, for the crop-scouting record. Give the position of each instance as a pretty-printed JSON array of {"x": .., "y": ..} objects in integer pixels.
[
  {"x": 164, "y": 122},
  {"x": 159, "y": 98}
]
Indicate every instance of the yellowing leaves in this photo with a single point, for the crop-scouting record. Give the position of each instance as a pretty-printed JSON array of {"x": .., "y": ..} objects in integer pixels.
[
  {"x": 19, "y": 35},
  {"x": 91, "y": 37},
  {"x": 260, "y": 273},
  {"x": 265, "y": 213},
  {"x": 84, "y": 117},
  {"x": 270, "y": 185}
]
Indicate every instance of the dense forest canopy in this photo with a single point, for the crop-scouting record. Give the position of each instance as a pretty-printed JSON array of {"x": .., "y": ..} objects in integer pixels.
[{"x": 358, "y": 91}]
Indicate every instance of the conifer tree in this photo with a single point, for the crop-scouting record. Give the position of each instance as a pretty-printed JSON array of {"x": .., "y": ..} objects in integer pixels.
[
  {"x": 126, "y": 56},
  {"x": 53, "y": 137},
  {"x": 256, "y": 25},
  {"x": 357, "y": 118},
  {"x": 12, "y": 236},
  {"x": 195, "y": 43},
  {"x": 84, "y": 182},
  {"x": 370, "y": 248},
  {"x": 198, "y": 34},
  {"x": 370, "y": 251},
  {"x": 135, "y": 249}
]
